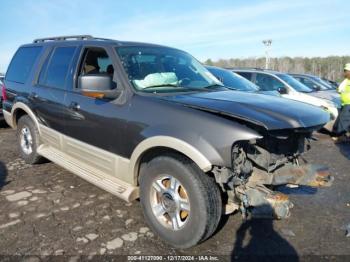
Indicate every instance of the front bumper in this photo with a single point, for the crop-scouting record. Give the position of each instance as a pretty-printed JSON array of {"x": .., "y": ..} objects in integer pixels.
[
  {"x": 266, "y": 203},
  {"x": 306, "y": 175}
]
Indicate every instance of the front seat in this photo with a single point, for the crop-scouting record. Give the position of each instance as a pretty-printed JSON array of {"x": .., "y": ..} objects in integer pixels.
[
  {"x": 110, "y": 70},
  {"x": 91, "y": 64}
]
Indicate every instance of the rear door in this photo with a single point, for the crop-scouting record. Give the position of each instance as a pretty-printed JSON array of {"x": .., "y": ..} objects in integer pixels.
[{"x": 50, "y": 88}]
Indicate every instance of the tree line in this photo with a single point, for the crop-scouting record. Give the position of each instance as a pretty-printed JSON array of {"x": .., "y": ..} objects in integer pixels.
[{"x": 331, "y": 67}]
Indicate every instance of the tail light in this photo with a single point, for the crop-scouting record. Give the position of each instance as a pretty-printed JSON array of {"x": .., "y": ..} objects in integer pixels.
[{"x": 3, "y": 92}]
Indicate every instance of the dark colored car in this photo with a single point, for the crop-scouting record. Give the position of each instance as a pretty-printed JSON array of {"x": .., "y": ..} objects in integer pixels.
[
  {"x": 150, "y": 122},
  {"x": 313, "y": 82},
  {"x": 333, "y": 84},
  {"x": 291, "y": 88},
  {"x": 1, "y": 83},
  {"x": 234, "y": 81}
]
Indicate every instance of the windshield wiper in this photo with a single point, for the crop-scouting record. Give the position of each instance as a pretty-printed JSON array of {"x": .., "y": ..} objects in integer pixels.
[
  {"x": 213, "y": 85},
  {"x": 162, "y": 85}
]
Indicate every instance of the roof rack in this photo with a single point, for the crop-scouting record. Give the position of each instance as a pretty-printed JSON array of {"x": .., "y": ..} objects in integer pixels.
[
  {"x": 246, "y": 67},
  {"x": 63, "y": 38}
]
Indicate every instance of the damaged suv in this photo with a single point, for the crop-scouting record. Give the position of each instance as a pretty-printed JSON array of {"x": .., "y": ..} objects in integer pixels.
[{"x": 150, "y": 122}]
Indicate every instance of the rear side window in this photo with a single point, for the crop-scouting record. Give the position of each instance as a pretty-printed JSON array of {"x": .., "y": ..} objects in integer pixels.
[
  {"x": 22, "y": 63},
  {"x": 268, "y": 83},
  {"x": 55, "y": 70},
  {"x": 245, "y": 75}
]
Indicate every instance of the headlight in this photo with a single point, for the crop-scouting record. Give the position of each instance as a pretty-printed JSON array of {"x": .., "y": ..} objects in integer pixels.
[
  {"x": 330, "y": 103},
  {"x": 331, "y": 108}
]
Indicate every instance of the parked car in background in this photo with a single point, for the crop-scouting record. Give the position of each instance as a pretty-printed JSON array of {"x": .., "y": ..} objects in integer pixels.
[
  {"x": 319, "y": 87},
  {"x": 334, "y": 84},
  {"x": 312, "y": 82},
  {"x": 151, "y": 122},
  {"x": 1, "y": 95},
  {"x": 234, "y": 81},
  {"x": 320, "y": 84},
  {"x": 289, "y": 87}
]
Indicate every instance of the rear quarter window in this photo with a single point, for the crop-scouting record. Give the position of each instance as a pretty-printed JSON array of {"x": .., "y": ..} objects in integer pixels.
[
  {"x": 246, "y": 75},
  {"x": 22, "y": 64}
]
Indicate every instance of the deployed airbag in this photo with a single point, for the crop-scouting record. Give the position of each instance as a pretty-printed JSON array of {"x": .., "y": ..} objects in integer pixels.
[{"x": 156, "y": 79}]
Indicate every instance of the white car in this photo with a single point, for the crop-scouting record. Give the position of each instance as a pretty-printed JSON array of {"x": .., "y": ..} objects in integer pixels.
[{"x": 291, "y": 88}]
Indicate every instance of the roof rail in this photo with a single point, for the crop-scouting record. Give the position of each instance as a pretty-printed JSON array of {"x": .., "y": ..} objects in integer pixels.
[
  {"x": 63, "y": 38},
  {"x": 246, "y": 67}
]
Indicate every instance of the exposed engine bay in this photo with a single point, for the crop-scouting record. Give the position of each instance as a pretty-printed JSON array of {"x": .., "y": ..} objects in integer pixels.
[{"x": 259, "y": 165}]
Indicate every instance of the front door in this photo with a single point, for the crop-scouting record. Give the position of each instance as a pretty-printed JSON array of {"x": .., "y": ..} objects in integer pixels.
[{"x": 93, "y": 121}]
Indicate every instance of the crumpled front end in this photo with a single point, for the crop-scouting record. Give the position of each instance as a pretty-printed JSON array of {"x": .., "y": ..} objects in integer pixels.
[{"x": 258, "y": 165}]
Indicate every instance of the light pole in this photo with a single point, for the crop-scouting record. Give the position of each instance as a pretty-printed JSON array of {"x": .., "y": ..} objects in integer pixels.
[{"x": 267, "y": 43}]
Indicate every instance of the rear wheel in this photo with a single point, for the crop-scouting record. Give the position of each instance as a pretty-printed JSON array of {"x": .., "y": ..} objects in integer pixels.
[
  {"x": 180, "y": 202},
  {"x": 28, "y": 140}
]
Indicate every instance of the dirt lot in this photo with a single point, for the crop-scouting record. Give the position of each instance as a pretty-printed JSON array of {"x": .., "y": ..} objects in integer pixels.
[{"x": 46, "y": 210}]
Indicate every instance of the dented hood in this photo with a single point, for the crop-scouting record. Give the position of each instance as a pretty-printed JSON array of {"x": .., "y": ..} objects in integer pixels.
[{"x": 268, "y": 111}]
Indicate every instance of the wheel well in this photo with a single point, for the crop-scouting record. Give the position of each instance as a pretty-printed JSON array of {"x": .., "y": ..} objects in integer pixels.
[
  {"x": 154, "y": 152},
  {"x": 18, "y": 114}
]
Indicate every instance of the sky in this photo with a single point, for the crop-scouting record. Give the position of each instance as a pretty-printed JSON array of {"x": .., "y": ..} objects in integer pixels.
[{"x": 207, "y": 29}]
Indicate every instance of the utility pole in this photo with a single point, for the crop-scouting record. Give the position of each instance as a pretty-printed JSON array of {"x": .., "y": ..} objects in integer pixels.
[{"x": 267, "y": 43}]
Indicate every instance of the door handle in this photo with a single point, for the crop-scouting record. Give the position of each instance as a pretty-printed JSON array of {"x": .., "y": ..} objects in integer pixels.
[{"x": 74, "y": 106}]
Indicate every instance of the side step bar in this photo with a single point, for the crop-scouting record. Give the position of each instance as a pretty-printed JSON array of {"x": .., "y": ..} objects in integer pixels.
[{"x": 113, "y": 185}]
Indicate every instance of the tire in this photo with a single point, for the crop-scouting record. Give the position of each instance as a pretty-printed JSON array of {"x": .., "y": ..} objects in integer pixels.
[
  {"x": 28, "y": 140},
  {"x": 198, "y": 189}
]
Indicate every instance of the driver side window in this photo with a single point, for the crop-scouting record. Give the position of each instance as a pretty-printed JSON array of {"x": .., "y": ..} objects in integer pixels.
[{"x": 96, "y": 61}]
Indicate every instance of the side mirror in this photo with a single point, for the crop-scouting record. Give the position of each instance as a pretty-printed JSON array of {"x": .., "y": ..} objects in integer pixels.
[
  {"x": 282, "y": 90},
  {"x": 317, "y": 88},
  {"x": 97, "y": 86}
]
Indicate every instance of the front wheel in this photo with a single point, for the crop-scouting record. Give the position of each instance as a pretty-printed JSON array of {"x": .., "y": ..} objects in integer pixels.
[
  {"x": 180, "y": 202},
  {"x": 28, "y": 140}
]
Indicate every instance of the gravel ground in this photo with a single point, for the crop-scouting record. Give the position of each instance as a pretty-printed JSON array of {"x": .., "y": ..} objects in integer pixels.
[{"x": 46, "y": 210}]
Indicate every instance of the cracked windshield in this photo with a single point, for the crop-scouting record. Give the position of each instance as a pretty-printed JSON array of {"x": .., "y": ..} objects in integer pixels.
[{"x": 161, "y": 70}]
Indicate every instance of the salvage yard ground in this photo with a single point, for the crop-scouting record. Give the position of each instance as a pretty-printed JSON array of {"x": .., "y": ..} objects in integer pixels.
[{"x": 46, "y": 210}]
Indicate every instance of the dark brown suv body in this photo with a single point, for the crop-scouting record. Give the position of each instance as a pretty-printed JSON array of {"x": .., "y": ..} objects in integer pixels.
[{"x": 150, "y": 122}]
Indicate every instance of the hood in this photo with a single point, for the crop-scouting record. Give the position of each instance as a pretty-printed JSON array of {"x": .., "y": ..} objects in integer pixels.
[
  {"x": 271, "y": 93},
  {"x": 328, "y": 95},
  {"x": 264, "y": 110}
]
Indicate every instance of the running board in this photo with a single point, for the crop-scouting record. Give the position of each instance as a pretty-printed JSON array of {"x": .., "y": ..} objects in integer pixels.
[{"x": 113, "y": 185}]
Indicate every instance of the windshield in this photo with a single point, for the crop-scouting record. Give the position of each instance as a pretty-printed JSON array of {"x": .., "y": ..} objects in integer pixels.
[
  {"x": 295, "y": 84},
  {"x": 162, "y": 69},
  {"x": 322, "y": 82},
  {"x": 233, "y": 80},
  {"x": 311, "y": 83}
]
